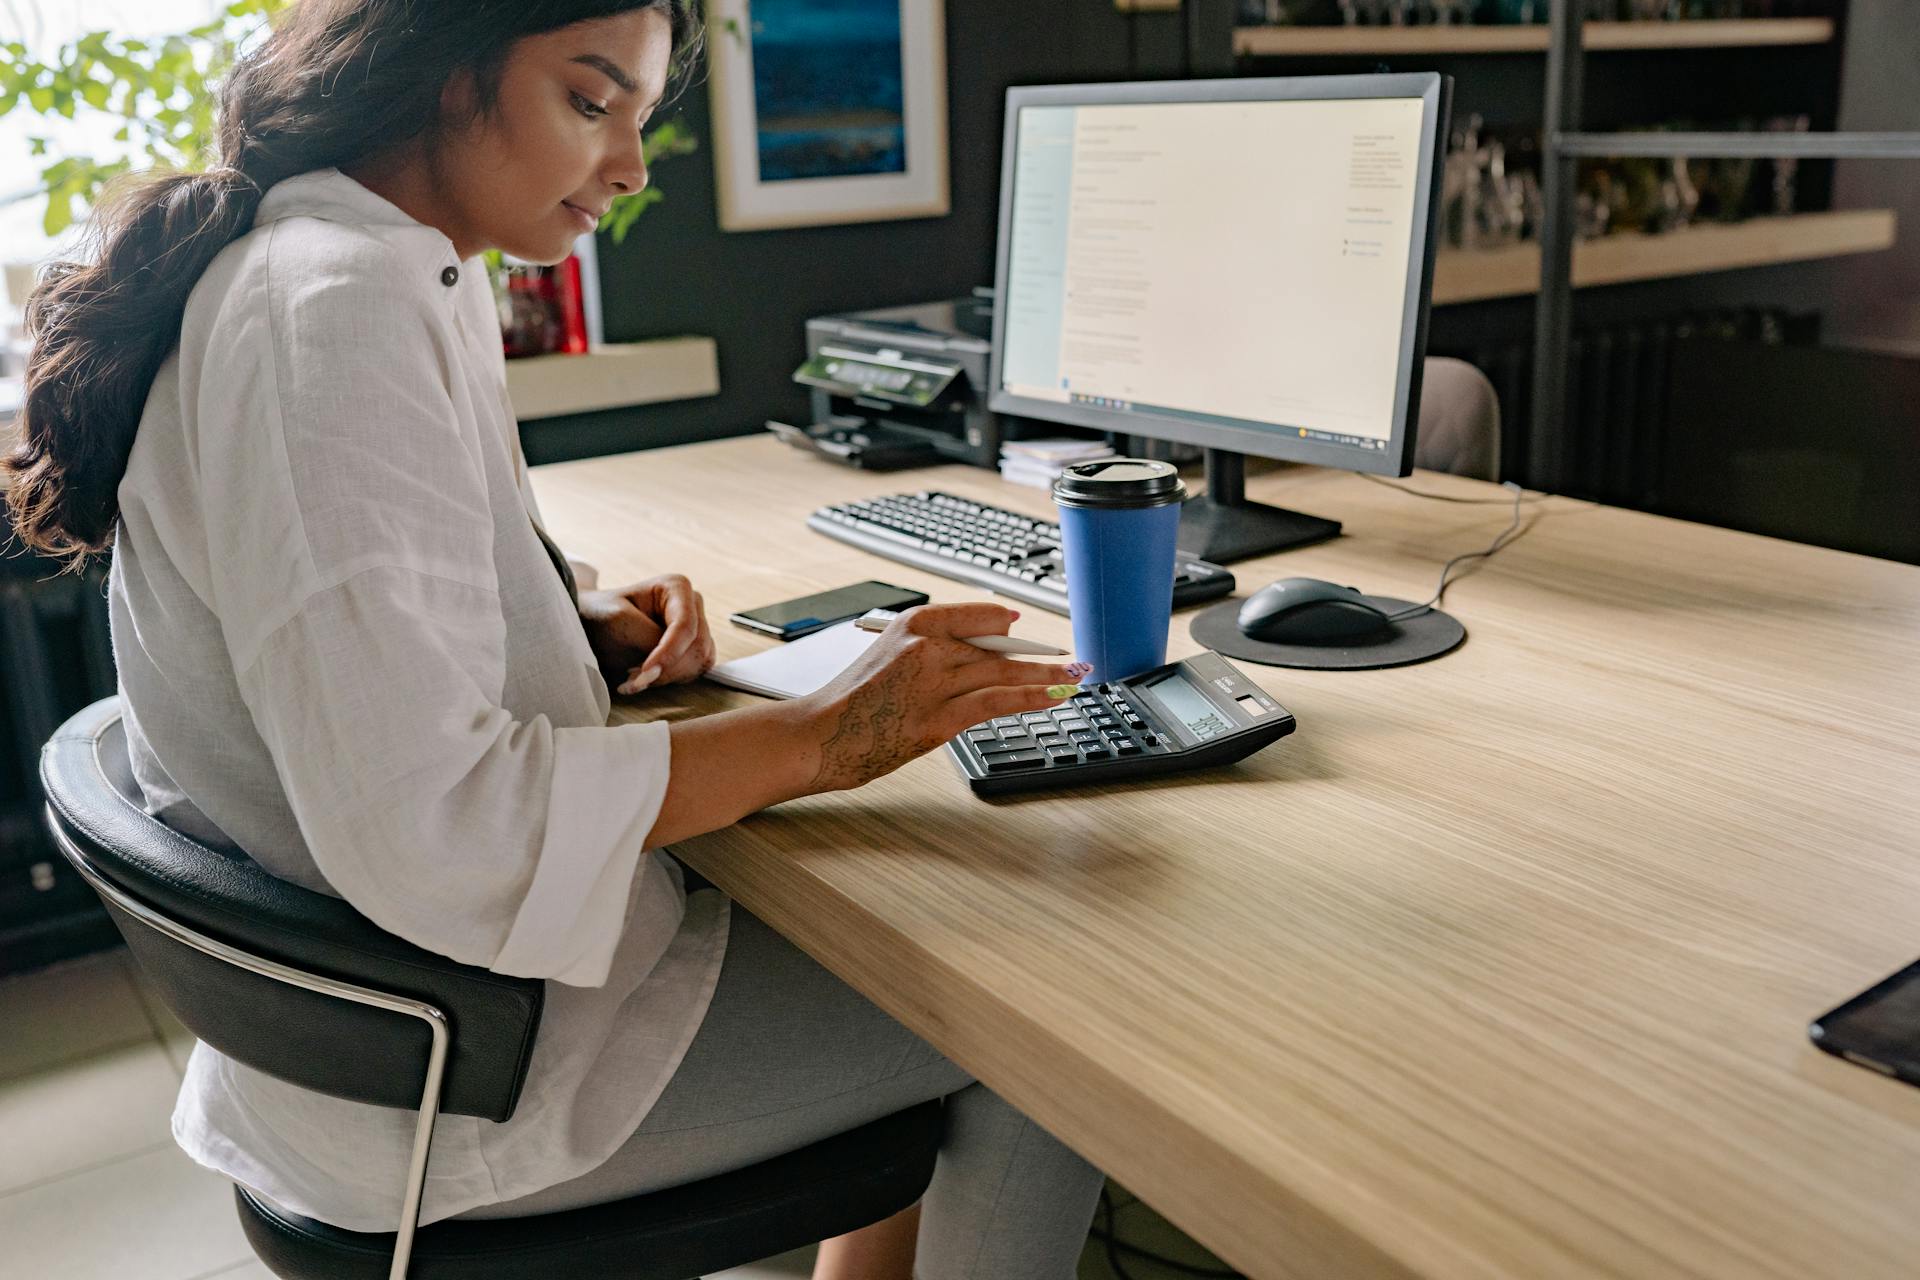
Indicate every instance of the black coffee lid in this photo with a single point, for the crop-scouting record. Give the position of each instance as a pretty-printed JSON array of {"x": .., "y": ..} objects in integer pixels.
[{"x": 1119, "y": 482}]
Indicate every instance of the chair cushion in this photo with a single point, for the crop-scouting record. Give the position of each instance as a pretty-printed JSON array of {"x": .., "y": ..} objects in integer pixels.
[
  {"x": 318, "y": 1042},
  {"x": 834, "y": 1186}
]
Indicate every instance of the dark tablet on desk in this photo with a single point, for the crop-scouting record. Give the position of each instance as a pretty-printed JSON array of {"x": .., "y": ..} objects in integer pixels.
[{"x": 1879, "y": 1028}]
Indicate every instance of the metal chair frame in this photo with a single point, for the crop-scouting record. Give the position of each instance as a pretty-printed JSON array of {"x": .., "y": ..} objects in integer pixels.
[{"x": 435, "y": 1019}]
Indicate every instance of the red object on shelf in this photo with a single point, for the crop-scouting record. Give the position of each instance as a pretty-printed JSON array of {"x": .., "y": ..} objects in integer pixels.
[
  {"x": 573, "y": 306},
  {"x": 532, "y": 326}
]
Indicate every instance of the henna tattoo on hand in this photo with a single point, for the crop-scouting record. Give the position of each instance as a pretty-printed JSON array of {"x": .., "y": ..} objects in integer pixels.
[{"x": 872, "y": 736}]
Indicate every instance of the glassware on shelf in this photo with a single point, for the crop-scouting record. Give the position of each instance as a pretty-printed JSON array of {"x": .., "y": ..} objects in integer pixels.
[
  {"x": 1517, "y": 11},
  {"x": 1683, "y": 196},
  {"x": 1786, "y": 169}
]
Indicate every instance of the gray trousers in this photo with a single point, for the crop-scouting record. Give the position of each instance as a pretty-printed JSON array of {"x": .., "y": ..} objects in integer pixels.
[{"x": 787, "y": 1055}]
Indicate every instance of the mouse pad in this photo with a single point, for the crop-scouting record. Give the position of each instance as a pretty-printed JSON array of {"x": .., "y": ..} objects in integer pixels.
[{"x": 1416, "y": 639}]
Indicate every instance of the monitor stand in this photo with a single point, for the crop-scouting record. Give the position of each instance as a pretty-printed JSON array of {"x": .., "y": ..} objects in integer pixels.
[{"x": 1222, "y": 526}]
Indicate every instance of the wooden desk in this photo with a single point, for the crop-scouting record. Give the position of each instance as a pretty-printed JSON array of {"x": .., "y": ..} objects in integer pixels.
[{"x": 1499, "y": 966}]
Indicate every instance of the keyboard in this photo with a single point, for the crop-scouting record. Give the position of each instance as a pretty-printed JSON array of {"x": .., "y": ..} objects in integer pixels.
[{"x": 1003, "y": 551}]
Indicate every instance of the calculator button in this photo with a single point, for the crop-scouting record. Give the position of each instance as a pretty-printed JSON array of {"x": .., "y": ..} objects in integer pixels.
[
  {"x": 1150, "y": 739},
  {"x": 1050, "y": 740},
  {"x": 1016, "y": 740},
  {"x": 1075, "y": 726},
  {"x": 1126, "y": 746},
  {"x": 1037, "y": 717},
  {"x": 1135, "y": 722},
  {"x": 1095, "y": 753},
  {"x": 1117, "y": 734},
  {"x": 983, "y": 735},
  {"x": 1015, "y": 761},
  {"x": 1062, "y": 754},
  {"x": 1105, "y": 721},
  {"x": 1084, "y": 736},
  {"x": 1086, "y": 699},
  {"x": 1005, "y": 722}
]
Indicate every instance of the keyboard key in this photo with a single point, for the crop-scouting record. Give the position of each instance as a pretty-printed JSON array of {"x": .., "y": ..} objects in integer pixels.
[{"x": 1016, "y": 761}]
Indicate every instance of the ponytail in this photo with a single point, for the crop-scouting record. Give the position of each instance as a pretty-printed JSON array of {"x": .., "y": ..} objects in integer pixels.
[
  {"x": 338, "y": 82},
  {"x": 99, "y": 333}
]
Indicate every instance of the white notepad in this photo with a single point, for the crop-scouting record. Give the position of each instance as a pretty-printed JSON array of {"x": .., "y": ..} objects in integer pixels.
[{"x": 799, "y": 667}]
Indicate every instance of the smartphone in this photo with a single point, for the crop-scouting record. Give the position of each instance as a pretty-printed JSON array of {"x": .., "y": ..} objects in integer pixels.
[
  {"x": 791, "y": 619},
  {"x": 1878, "y": 1029}
]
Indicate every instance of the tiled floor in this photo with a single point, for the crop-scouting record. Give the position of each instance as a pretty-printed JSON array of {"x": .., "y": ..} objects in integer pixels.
[{"x": 92, "y": 1187}]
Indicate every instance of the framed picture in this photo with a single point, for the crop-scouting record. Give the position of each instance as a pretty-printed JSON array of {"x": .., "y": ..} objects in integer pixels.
[{"x": 828, "y": 111}]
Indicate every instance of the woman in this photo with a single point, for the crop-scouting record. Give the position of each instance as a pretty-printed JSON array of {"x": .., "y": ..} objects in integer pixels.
[{"x": 347, "y": 651}]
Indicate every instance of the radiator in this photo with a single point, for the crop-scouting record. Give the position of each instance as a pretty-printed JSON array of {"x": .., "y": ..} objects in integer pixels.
[
  {"x": 55, "y": 657},
  {"x": 1618, "y": 382}
]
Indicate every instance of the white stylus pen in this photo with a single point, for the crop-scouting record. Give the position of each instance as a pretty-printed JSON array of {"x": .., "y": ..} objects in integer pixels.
[{"x": 877, "y": 620}]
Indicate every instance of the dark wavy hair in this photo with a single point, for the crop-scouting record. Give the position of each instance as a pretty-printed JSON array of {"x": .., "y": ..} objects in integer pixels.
[{"x": 336, "y": 83}]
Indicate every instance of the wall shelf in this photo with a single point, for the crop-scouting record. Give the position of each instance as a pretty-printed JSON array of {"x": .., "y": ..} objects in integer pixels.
[
  {"x": 1701, "y": 33},
  {"x": 1480, "y": 274},
  {"x": 614, "y": 376}
]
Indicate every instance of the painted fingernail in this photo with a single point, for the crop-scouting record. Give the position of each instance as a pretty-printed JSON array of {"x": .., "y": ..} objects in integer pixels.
[
  {"x": 638, "y": 681},
  {"x": 1079, "y": 669},
  {"x": 1013, "y": 614},
  {"x": 1058, "y": 691}
]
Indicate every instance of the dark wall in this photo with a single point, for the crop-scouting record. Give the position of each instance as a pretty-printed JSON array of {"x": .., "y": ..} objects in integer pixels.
[
  {"x": 752, "y": 291},
  {"x": 678, "y": 273}
]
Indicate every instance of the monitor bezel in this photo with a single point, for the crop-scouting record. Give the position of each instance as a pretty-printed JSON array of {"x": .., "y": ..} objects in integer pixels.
[{"x": 1434, "y": 93}]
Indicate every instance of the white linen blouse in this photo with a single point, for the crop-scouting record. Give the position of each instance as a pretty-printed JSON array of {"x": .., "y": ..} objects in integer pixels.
[{"x": 345, "y": 653}]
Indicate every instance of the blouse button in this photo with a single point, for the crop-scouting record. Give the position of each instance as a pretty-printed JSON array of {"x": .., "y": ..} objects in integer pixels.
[{"x": 450, "y": 277}]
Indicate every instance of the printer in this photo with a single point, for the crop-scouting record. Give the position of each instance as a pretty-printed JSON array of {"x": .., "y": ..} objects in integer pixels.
[{"x": 900, "y": 386}]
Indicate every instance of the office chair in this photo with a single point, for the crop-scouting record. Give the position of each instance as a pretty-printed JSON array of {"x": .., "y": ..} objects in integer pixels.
[
  {"x": 1459, "y": 427},
  {"x": 301, "y": 986}
]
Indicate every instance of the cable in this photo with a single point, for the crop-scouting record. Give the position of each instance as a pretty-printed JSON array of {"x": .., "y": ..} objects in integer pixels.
[
  {"x": 1511, "y": 532},
  {"x": 1446, "y": 497},
  {"x": 1117, "y": 1246}
]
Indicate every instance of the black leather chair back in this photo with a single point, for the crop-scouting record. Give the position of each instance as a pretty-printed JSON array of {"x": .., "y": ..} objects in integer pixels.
[{"x": 316, "y": 1041}]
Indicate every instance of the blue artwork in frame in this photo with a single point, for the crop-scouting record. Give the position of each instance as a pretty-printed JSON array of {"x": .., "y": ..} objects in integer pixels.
[
  {"x": 828, "y": 111},
  {"x": 828, "y": 87}
]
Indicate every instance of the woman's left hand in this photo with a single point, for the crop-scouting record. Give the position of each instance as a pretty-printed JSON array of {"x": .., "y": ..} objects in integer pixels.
[{"x": 653, "y": 632}]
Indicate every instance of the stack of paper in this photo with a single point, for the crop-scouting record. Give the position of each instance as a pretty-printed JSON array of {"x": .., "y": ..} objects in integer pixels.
[{"x": 1040, "y": 462}]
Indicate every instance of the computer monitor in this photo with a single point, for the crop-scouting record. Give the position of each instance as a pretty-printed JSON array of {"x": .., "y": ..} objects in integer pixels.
[{"x": 1243, "y": 265}]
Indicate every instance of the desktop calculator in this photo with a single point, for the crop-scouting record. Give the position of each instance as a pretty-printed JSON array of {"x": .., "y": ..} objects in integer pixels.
[{"x": 1185, "y": 715}]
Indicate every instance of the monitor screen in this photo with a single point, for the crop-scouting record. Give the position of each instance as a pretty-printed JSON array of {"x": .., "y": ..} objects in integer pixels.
[{"x": 1245, "y": 273}]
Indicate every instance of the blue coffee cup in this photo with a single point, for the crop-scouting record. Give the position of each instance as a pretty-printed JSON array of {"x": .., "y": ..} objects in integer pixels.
[{"x": 1119, "y": 518}]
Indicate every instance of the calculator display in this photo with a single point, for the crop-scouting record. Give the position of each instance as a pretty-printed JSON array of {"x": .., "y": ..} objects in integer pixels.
[{"x": 1190, "y": 707}]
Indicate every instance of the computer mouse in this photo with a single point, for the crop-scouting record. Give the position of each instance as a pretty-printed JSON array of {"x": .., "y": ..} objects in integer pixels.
[{"x": 1309, "y": 611}]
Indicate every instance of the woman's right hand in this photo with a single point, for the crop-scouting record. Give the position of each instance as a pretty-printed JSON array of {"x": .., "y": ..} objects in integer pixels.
[{"x": 918, "y": 685}]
